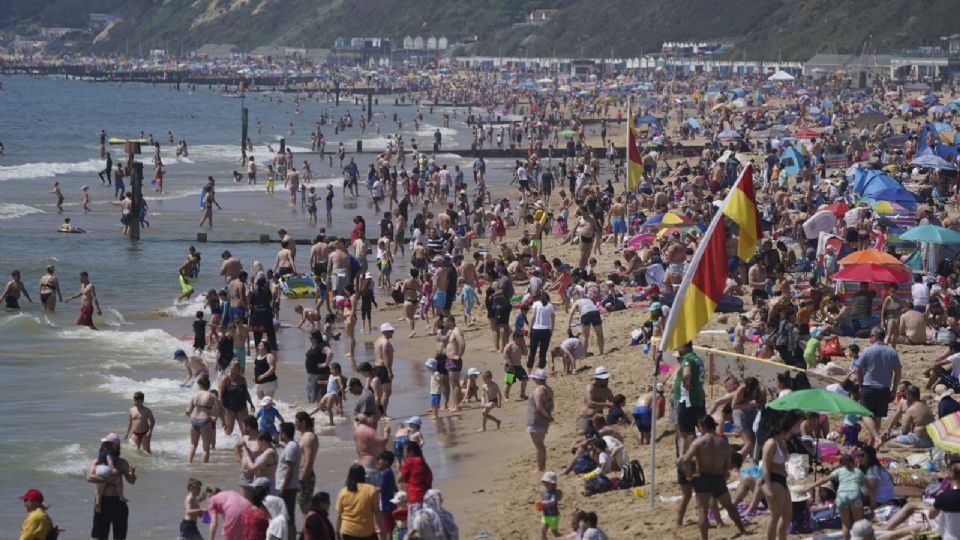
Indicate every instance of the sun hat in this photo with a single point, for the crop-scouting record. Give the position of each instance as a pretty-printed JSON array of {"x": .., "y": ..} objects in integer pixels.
[
  {"x": 539, "y": 375},
  {"x": 655, "y": 306},
  {"x": 415, "y": 420},
  {"x": 267, "y": 400},
  {"x": 399, "y": 497},
  {"x": 386, "y": 327},
  {"x": 601, "y": 373},
  {"x": 111, "y": 438},
  {"x": 549, "y": 477},
  {"x": 32, "y": 494},
  {"x": 473, "y": 372}
]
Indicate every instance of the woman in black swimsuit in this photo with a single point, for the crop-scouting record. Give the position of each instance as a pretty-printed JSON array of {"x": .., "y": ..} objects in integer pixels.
[
  {"x": 234, "y": 397},
  {"x": 261, "y": 313}
]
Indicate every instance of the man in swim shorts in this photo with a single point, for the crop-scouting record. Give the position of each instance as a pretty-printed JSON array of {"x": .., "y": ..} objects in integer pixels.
[
  {"x": 88, "y": 299},
  {"x": 713, "y": 458},
  {"x": 11, "y": 293},
  {"x": 383, "y": 364}
]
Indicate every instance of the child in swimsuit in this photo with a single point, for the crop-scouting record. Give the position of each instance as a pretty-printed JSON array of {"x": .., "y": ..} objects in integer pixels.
[
  {"x": 331, "y": 400},
  {"x": 267, "y": 416},
  {"x": 491, "y": 399},
  {"x": 469, "y": 387},
  {"x": 849, "y": 489}
]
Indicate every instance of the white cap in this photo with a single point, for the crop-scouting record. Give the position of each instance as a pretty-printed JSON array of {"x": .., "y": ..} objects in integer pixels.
[
  {"x": 399, "y": 497},
  {"x": 539, "y": 374},
  {"x": 431, "y": 363},
  {"x": 601, "y": 373},
  {"x": 386, "y": 327},
  {"x": 550, "y": 477},
  {"x": 267, "y": 400},
  {"x": 415, "y": 420}
]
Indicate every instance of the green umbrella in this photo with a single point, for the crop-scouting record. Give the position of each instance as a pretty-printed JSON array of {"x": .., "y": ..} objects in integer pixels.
[
  {"x": 568, "y": 132},
  {"x": 932, "y": 234},
  {"x": 818, "y": 400}
]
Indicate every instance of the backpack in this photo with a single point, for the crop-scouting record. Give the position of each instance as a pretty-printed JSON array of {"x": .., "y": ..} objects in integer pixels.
[
  {"x": 597, "y": 484},
  {"x": 584, "y": 464},
  {"x": 632, "y": 476}
]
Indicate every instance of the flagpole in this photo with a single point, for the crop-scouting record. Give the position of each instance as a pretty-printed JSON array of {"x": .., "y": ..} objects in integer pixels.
[
  {"x": 671, "y": 322},
  {"x": 626, "y": 146}
]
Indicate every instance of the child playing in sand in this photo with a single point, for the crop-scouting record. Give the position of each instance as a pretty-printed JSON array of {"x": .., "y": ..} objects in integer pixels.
[
  {"x": 521, "y": 321},
  {"x": 549, "y": 505},
  {"x": 196, "y": 366},
  {"x": 307, "y": 315},
  {"x": 469, "y": 387},
  {"x": 107, "y": 466},
  {"x": 331, "y": 401},
  {"x": 329, "y": 328},
  {"x": 406, "y": 432},
  {"x": 513, "y": 354},
  {"x": 431, "y": 365},
  {"x": 268, "y": 415},
  {"x": 491, "y": 398},
  {"x": 192, "y": 510}
]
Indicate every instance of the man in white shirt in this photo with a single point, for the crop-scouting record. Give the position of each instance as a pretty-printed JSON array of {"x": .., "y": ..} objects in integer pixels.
[
  {"x": 920, "y": 293},
  {"x": 541, "y": 330}
]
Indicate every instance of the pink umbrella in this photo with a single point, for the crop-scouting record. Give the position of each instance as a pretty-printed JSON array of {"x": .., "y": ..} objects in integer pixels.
[{"x": 640, "y": 240}]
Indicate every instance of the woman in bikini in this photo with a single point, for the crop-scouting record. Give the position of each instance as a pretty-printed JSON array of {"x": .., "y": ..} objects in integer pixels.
[
  {"x": 773, "y": 462},
  {"x": 411, "y": 297},
  {"x": 890, "y": 312},
  {"x": 202, "y": 410},
  {"x": 234, "y": 397}
]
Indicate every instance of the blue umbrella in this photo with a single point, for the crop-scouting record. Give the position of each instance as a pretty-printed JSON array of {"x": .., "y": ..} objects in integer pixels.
[
  {"x": 894, "y": 194},
  {"x": 933, "y": 161},
  {"x": 932, "y": 234}
]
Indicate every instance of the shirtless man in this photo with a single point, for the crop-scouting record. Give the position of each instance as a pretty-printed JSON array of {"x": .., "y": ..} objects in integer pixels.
[
  {"x": 411, "y": 298},
  {"x": 383, "y": 365},
  {"x": 618, "y": 220},
  {"x": 468, "y": 272},
  {"x": 88, "y": 300},
  {"x": 587, "y": 232},
  {"x": 456, "y": 345},
  {"x": 318, "y": 255},
  {"x": 369, "y": 442},
  {"x": 513, "y": 354},
  {"x": 676, "y": 254},
  {"x": 291, "y": 243},
  {"x": 140, "y": 423},
  {"x": 597, "y": 396},
  {"x": 913, "y": 423},
  {"x": 914, "y": 328},
  {"x": 309, "y": 444},
  {"x": 50, "y": 291},
  {"x": 713, "y": 457},
  {"x": 237, "y": 298},
  {"x": 440, "y": 282},
  {"x": 230, "y": 268},
  {"x": 338, "y": 268},
  {"x": 284, "y": 264},
  {"x": 11, "y": 293}
]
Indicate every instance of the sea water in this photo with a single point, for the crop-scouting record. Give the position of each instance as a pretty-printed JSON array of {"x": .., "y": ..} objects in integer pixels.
[{"x": 63, "y": 387}]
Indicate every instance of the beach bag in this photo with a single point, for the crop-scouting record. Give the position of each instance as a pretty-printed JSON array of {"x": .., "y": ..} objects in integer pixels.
[
  {"x": 828, "y": 518},
  {"x": 945, "y": 336},
  {"x": 584, "y": 464},
  {"x": 597, "y": 484},
  {"x": 831, "y": 347},
  {"x": 802, "y": 521},
  {"x": 632, "y": 476}
]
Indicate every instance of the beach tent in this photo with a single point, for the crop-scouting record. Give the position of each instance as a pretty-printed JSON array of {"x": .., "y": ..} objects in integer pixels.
[
  {"x": 869, "y": 181},
  {"x": 646, "y": 120},
  {"x": 781, "y": 76},
  {"x": 944, "y": 140},
  {"x": 792, "y": 160}
]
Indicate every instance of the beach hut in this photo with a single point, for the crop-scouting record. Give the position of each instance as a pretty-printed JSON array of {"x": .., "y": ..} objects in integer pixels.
[{"x": 792, "y": 160}]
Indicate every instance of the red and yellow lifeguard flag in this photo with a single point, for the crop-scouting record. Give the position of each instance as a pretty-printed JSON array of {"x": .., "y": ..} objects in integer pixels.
[
  {"x": 693, "y": 306},
  {"x": 706, "y": 276},
  {"x": 634, "y": 162},
  {"x": 741, "y": 208}
]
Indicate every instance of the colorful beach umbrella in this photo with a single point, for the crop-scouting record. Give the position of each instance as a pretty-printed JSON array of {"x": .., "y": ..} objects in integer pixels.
[
  {"x": 933, "y": 161},
  {"x": 945, "y": 432},
  {"x": 666, "y": 219},
  {"x": 894, "y": 194},
  {"x": 874, "y": 273},
  {"x": 806, "y": 134},
  {"x": 887, "y": 207},
  {"x": 818, "y": 400},
  {"x": 687, "y": 227},
  {"x": 932, "y": 234},
  {"x": 638, "y": 241},
  {"x": 870, "y": 255}
]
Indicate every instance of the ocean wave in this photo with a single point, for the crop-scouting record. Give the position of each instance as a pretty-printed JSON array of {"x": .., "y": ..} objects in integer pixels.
[
  {"x": 159, "y": 391},
  {"x": 69, "y": 460},
  {"x": 186, "y": 309},
  {"x": 143, "y": 344},
  {"x": 41, "y": 169},
  {"x": 15, "y": 210}
]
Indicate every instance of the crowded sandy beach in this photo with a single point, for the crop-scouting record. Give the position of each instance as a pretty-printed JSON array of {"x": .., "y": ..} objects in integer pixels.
[{"x": 497, "y": 304}]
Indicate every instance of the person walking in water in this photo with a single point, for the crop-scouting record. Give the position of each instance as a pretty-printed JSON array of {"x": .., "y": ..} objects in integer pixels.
[
  {"x": 56, "y": 191},
  {"x": 50, "y": 291},
  {"x": 11, "y": 293},
  {"x": 88, "y": 299}
]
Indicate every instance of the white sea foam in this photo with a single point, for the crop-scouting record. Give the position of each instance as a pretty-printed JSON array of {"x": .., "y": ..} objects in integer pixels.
[
  {"x": 145, "y": 344},
  {"x": 41, "y": 169},
  {"x": 114, "y": 318},
  {"x": 186, "y": 309},
  {"x": 69, "y": 460},
  {"x": 161, "y": 391},
  {"x": 15, "y": 210}
]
